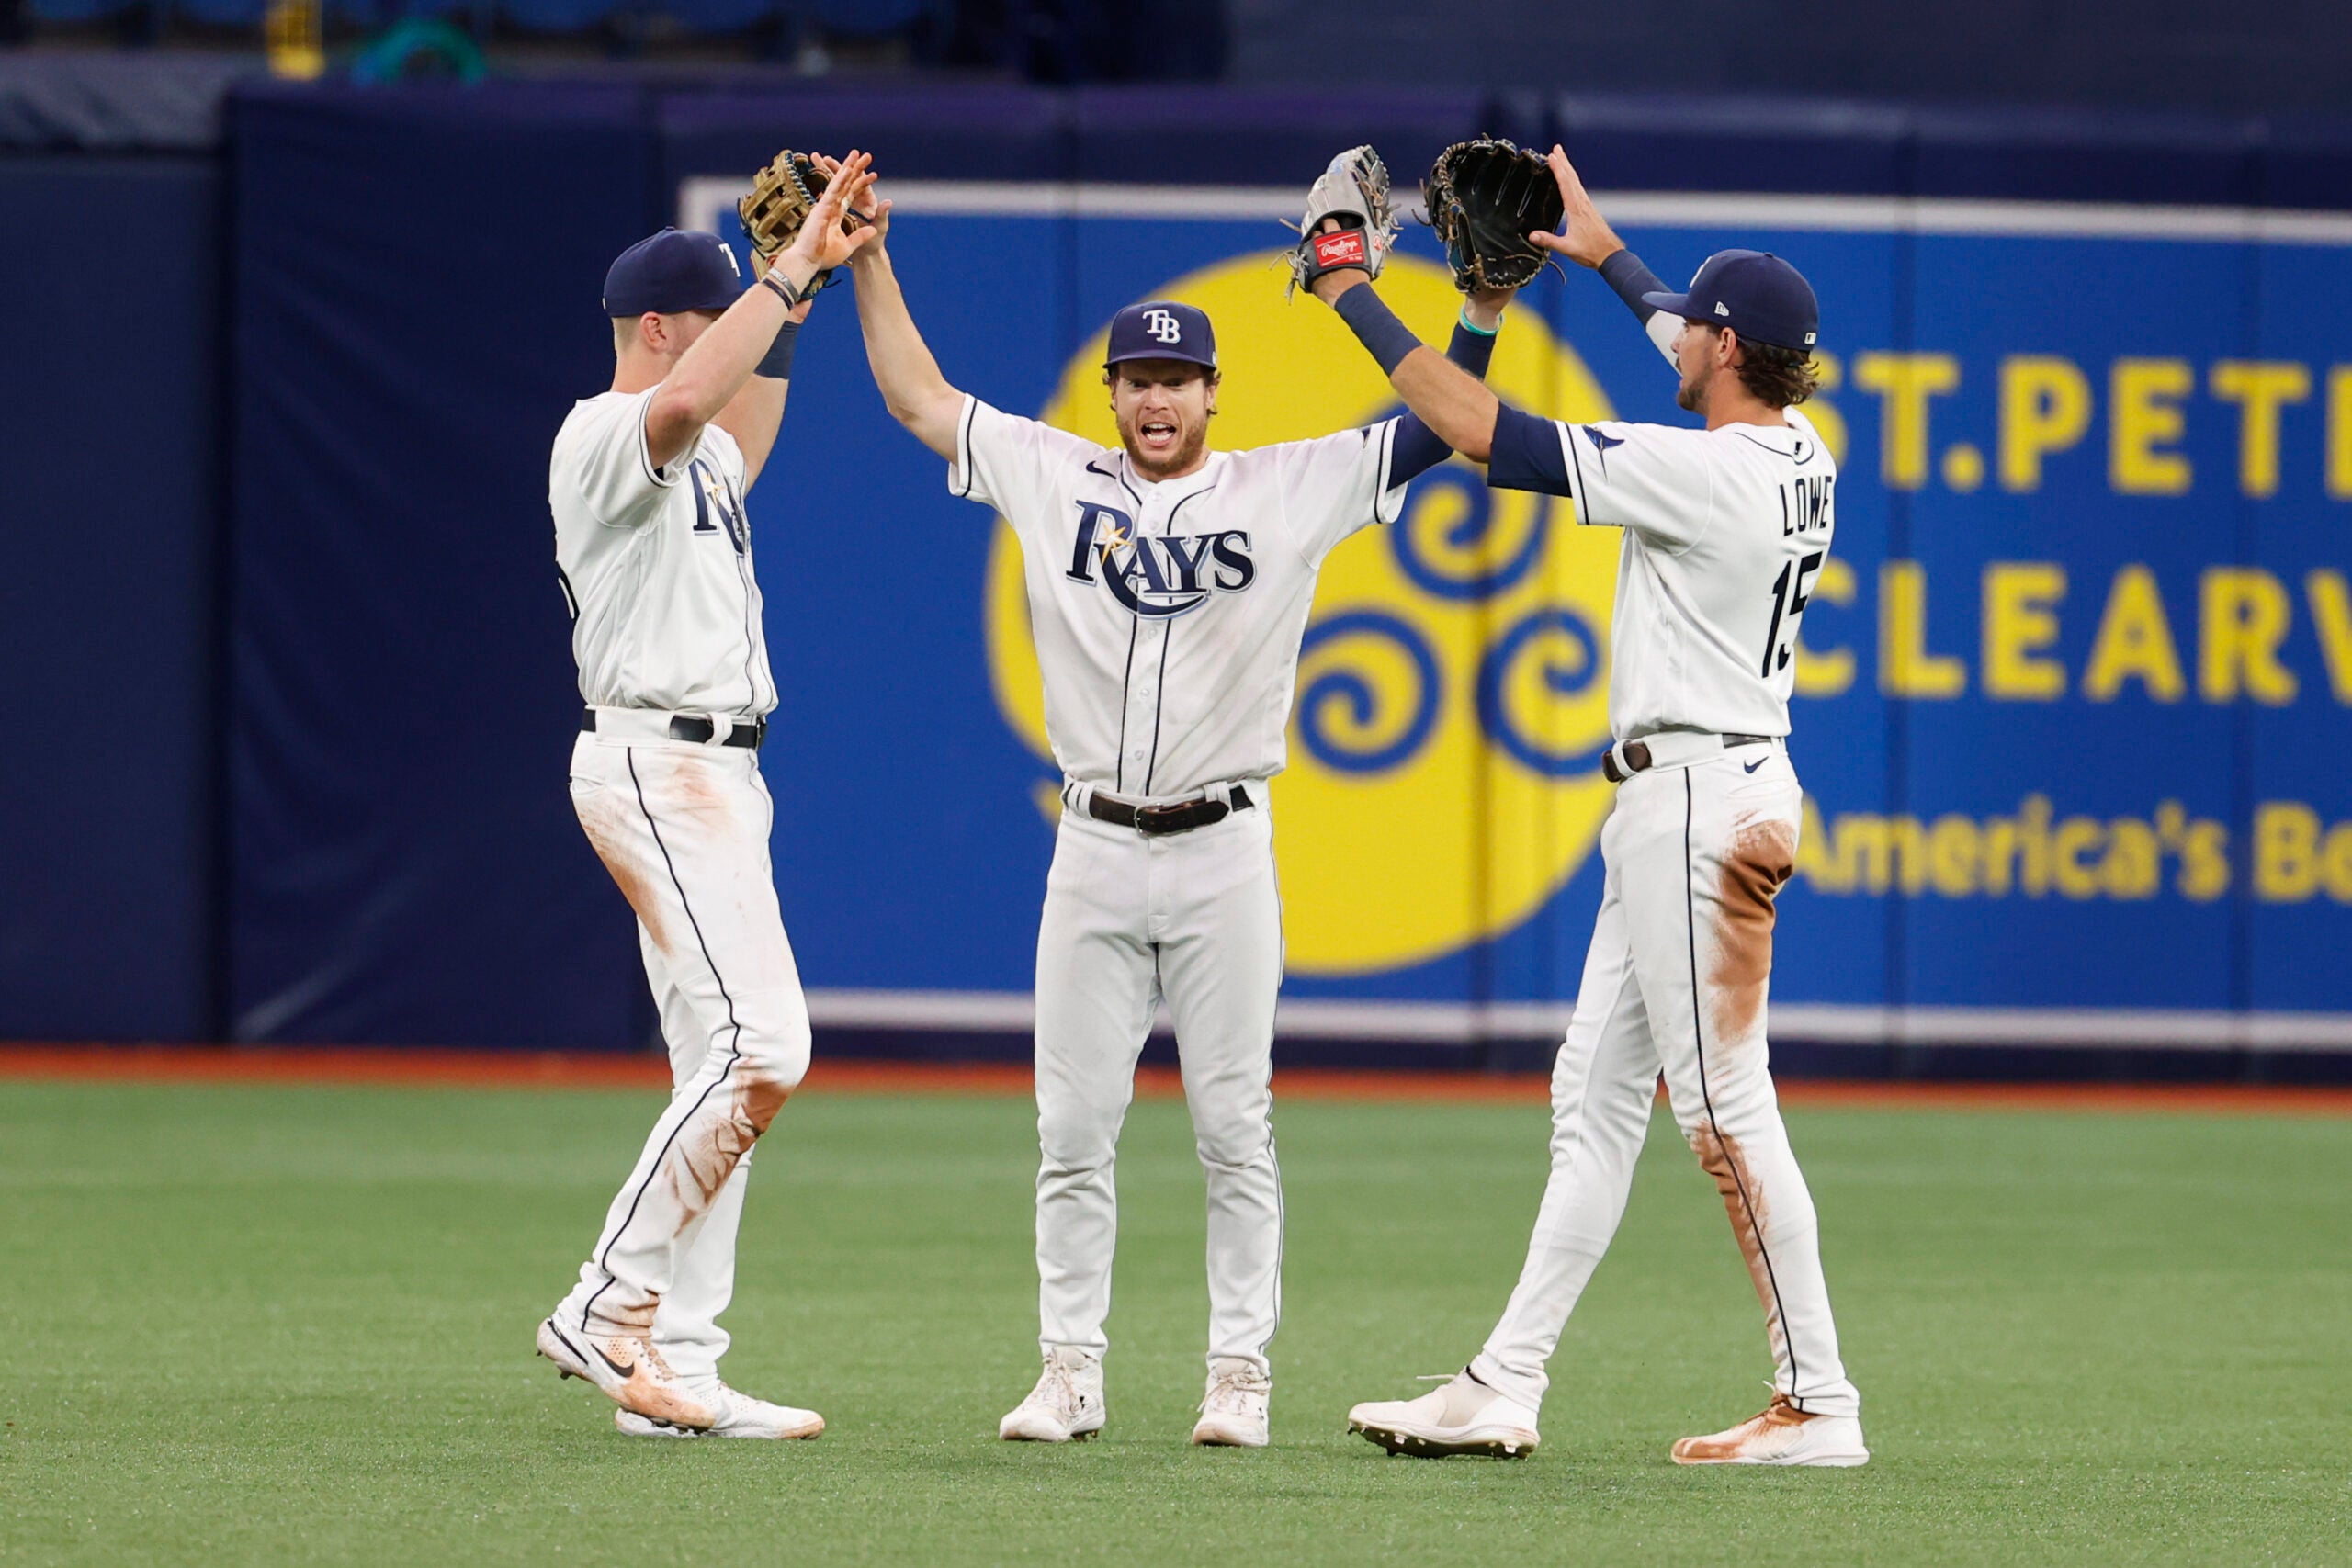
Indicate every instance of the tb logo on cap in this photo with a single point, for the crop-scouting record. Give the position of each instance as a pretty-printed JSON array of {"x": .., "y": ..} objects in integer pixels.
[{"x": 1163, "y": 325}]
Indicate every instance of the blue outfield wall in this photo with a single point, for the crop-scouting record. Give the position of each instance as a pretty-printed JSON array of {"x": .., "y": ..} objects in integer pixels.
[
  {"x": 109, "y": 607},
  {"x": 2074, "y": 687}
]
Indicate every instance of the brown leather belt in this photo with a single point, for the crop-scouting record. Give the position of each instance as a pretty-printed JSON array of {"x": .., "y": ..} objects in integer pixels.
[
  {"x": 1637, "y": 756},
  {"x": 684, "y": 727},
  {"x": 1180, "y": 817}
]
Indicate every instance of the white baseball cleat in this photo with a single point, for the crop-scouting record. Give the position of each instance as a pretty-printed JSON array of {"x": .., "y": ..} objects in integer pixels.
[
  {"x": 1465, "y": 1416},
  {"x": 739, "y": 1416},
  {"x": 1233, "y": 1412},
  {"x": 1781, "y": 1434},
  {"x": 627, "y": 1370},
  {"x": 1065, "y": 1406}
]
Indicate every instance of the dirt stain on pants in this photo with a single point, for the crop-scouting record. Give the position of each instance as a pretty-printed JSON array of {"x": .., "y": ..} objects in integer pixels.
[
  {"x": 1722, "y": 1157},
  {"x": 1763, "y": 855},
  {"x": 712, "y": 1147}
]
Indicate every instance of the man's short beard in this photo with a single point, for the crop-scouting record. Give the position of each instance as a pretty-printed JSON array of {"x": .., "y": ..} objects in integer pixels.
[
  {"x": 1692, "y": 396},
  {"x": 1183, "y": 457}
]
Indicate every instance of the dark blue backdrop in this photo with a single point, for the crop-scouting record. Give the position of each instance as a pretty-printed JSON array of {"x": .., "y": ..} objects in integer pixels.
[
  {"x": 411, "y": 277},
  {"x": 107, "y": 609}
]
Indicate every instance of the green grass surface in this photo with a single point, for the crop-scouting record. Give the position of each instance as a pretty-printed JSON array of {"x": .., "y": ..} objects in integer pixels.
[{"x": 264, "y": 1325}]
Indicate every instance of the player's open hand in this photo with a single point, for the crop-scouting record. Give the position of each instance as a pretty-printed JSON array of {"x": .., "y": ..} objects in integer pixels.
[
  {"x": 1585, "y": 236},
  {"x": 868, "y": 205},
  {"x": 821, "y": 239}
]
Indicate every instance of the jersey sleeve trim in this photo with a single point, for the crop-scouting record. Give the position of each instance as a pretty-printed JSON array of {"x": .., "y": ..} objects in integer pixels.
[
  {"x": 1388, "y": 499},
  {"x": 959, "y": 473},
  {"x": 645, "y": 449},
  {"x": 1527, "y": 453}
]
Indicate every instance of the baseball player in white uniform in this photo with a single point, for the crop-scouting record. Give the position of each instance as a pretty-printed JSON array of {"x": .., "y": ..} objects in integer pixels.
[
  {"x": 653, "y": 548},
  {"x": 1169, "y": 586},
  {"x": 1725, "y": 532}
]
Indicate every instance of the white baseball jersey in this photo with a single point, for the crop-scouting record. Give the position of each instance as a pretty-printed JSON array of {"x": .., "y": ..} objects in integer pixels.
[
  {"x": 1725, "y": 531},
  {"x": 1168, "y": 616},
  {"x": 657, "y": 565}
]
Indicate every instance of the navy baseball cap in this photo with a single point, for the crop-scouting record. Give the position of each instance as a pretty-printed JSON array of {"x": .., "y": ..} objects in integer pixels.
[
  {"x": 1754, "y": 293},
  {"x": 678, "y": 269},
  {"x": 1161, "y": 328}
]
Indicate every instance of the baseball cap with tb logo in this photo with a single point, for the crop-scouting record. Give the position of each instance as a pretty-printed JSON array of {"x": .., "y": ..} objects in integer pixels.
[{"x": 1161, "y": 328}]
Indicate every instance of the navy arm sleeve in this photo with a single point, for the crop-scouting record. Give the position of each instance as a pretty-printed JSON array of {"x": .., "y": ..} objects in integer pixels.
[
  {"x": 1527, "y": 455},
  {"x": 1416, "y": 449},
  {"x": 1624, "y": 273}
]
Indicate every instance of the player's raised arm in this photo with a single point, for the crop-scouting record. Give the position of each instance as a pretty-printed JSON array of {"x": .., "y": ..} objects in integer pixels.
[
  {"x": 1485, "y": 195},
  {"x": 753, "y": 415},
  {"x": 1457, "y": 407},
  {"x": 716, "y": 365},
  {"x": 918, "y": 396},
  {"x": 1586, "y": 239},
  {"x": 1418, "y": 447}
]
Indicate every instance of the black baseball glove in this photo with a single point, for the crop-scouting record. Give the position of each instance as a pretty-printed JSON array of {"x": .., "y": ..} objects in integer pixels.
[{"x": 1485, "y": 197}]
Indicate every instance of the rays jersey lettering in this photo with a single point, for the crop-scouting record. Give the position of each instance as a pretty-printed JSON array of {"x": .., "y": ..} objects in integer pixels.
[
  {"x": 657, "y": 565},
  {"x": 1157, "y": 577},
  {"x": 1726, "y": 532},
  {"x": 1168, "y": 616}
]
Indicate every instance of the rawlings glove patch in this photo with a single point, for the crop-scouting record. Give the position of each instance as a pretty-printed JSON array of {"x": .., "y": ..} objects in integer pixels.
[{"x": 1354, "y": 191}]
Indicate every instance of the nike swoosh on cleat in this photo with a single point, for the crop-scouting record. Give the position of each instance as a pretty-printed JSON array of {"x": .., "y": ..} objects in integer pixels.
[
  {"x": 1744, "y": 767},
  {"x": 619, "y": 1371}
]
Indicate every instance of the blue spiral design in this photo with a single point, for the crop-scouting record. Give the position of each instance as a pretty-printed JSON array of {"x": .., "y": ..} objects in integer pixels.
[
  {"x": 1494, "y": 673},
  {"x": 1477, "y": 519},
  {"x": 1354, "y": 691}
]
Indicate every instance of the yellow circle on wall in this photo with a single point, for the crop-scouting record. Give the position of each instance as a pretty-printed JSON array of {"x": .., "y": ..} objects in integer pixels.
[{"x": 1453, "y": 694}]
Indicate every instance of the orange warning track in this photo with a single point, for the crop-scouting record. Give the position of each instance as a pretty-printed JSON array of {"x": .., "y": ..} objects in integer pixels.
[{"x": 357, "y": 1065}]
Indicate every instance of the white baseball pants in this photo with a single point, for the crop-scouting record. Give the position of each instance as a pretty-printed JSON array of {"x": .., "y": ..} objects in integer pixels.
[
  {"x": 1675, "y": 980},
  {"x": 684, "y": 829},
  {"x": 1194, "y": 918}
]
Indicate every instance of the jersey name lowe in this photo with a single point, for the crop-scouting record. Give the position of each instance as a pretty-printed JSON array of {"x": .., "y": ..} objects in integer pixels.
[
  {"x": 1168, "y": 616},
  {"x": 1725, "y": 533},
  {"x": 657, "y": 565}
]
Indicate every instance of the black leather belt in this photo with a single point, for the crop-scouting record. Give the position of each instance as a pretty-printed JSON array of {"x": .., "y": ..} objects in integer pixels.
[
  {"x": 747, "y": 733},
  {"x": 1637, "y": 756},
  {"x": 1180, "y": 817}
]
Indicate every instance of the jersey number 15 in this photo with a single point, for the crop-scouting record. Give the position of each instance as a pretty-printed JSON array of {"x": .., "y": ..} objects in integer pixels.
[{"x": 1792, "y": 591}]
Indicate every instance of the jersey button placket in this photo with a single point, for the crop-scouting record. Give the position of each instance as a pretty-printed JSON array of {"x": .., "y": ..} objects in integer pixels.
[{"x": 1143, "y": 685}]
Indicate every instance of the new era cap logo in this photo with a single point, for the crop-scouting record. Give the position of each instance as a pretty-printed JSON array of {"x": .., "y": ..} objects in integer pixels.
[
  {"x": 1163, "y": 325},
  {"x": 1722, "y": 309}
]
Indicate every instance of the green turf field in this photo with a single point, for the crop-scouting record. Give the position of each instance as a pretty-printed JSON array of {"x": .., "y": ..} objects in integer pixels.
[{"x": 294, "y": 1325}]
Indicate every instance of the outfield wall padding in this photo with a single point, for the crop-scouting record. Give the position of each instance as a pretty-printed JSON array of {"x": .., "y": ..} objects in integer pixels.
[{"x": 2076, "y": 690}]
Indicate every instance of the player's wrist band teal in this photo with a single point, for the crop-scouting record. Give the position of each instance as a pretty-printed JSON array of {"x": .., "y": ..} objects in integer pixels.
[
  {"x": 777, "y": 364},
  {"x": 1470, "y": 326},
  {"x": 1368, "y": 316}
]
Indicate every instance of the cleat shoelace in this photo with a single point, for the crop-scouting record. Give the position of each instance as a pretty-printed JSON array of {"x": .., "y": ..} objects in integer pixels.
[
  {"x": 1230, "y": 1394},
  {"x": 1058, "y": 1391}
]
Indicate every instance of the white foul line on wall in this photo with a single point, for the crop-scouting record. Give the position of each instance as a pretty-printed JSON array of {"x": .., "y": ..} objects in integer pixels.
[
  {"x": 1015, "y": 1012},
  {"x": 703, "y": 199}
]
